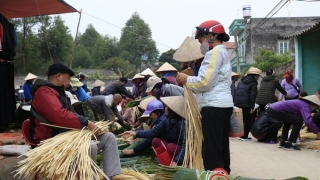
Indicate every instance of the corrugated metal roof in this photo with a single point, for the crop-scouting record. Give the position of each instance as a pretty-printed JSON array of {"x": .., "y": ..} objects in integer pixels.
[{"x": 315, "y": 26}]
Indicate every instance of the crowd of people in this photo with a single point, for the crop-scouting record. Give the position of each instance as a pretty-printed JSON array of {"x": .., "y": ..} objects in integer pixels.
[{"x": 65, "y": 100}]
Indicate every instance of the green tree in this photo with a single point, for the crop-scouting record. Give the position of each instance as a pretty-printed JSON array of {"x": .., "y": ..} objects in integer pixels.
[
  {"x": 121, "y": 67},
  {"x": 89, "y": 38},
  {"x": 266, "y": 59},
  {"x": 56, "y": 42},
  {"x": 28, "y": 51},
  {"x": 82, "y": 58},
  {"x": 136, "y": 44},
  {"x": 167, "y": 57},
  {"x": 104, "y": 48}
]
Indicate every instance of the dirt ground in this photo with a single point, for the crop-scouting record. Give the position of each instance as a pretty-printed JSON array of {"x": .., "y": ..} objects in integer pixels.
[
  {"x": 250, "y": 159},
  {"x": 259, "y": 160}
]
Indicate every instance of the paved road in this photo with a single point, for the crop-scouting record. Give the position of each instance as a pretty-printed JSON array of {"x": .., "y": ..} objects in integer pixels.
[{"x": 260, "y": 160}]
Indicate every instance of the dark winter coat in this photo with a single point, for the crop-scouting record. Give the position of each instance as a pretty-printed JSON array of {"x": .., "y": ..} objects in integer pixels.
[
  {"x": 246, "y": 92},
  {"x": 268, "y": 86},
  {"x": 146, "y": 143},
  {"x": 117, "y": 87},
  {"x": 95, "y": 91},
  {"x": 260, "y": 127}
]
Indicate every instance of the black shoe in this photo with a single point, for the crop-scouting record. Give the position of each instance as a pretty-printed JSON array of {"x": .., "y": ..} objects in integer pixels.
[
  {"x": 291, "y": 147},
  {"x": 282, "y": 144}
]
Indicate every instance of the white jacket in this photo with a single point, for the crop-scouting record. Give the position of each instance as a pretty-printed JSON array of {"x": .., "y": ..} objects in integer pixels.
[{"x": 212, "y": 85}]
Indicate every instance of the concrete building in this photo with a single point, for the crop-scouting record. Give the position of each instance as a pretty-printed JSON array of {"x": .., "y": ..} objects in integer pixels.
[
  {"x": 254, "y": 33},
  {"x": 307, "y": 57}
]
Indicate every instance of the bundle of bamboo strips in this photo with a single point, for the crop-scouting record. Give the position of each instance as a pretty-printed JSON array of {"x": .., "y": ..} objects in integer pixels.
[
  {"x": 65, "y": 156},
  {"x": 130, "y": 174},
  {"x": 194, "y": 137}
]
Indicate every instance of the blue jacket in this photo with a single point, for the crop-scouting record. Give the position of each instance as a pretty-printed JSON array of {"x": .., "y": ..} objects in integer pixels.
[
  {"x": 171, "y": 131},
  {"x": 148, "y": 141},
  {"x": 27, "y": 90},
  {"x": 81, "y": 94}
]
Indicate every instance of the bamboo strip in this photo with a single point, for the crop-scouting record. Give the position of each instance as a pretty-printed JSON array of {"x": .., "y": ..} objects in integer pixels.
[
  {"x": 194, "y": 137},
  {"x": 65, "y": 156}
]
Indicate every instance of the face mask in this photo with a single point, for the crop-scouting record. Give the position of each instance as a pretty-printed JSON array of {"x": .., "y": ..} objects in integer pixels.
[
  {"x": 204, "y": 47},
  {"x": 74, "y": 88}
]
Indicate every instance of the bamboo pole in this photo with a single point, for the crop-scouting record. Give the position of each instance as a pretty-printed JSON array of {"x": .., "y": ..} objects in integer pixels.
[{"x": 75, "y": 39}]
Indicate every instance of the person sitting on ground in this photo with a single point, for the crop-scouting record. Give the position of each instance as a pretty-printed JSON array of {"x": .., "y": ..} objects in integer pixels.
[
  {"x": 168, "y": 73},
  {"x": 76, "y": 89},
  {"x": 28, "y": 85},
  {"x": 106, "y": 105},
  {"x": 50, "y": 103},
  {"x": 137, "y": 86},
  {"x": 265, "y": 128},
  {"x": 158, "y": 89},
  {"x": 170, "y": 132},
  {"x": 154, "y": 111},
  {"x": 97, "y": 87},
  {"x": 126, "y": 112},
  {"x": 118, "y": 87},
  {"x": 269, "y": 84},
  {"x": 290, "y": 113},
  {"x": 81, "y": 77}
]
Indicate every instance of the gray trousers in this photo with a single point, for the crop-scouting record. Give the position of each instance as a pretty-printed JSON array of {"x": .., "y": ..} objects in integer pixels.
[{"x": 110, "y": 154}]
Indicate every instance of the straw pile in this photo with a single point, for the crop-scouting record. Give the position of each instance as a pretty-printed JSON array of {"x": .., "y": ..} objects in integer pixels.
[
  {"x": 194, "y": 137},
  {"x": 315, "y": 145},
  {"x": 65, "y": 156},
  {"x": 130, "y": 174}
]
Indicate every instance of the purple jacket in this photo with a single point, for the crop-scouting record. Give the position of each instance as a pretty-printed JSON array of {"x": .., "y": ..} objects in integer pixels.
[
  {"x": 298, "y": 108},
  {"x": 291, "y": 91}
]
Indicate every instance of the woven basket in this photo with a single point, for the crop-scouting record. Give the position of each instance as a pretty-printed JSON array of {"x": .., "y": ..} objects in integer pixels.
[
  {"x": 236, "y": 123},
  {"x": 163, "y": 155}
]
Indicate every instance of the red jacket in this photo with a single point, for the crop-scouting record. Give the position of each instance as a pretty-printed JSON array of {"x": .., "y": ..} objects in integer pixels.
[{"x": 52, "y": 104}]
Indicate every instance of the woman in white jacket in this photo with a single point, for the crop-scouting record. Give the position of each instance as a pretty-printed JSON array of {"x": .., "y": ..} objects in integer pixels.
[{"x": 213, "y": 94}]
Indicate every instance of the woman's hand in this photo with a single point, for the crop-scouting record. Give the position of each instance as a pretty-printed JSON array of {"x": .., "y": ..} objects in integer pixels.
[
  {"x": 182, "y": 78},
  {"x": 127, "y": 134},
  {"x": 173, "y": 164},
  {"x": 128, "y": 152}
]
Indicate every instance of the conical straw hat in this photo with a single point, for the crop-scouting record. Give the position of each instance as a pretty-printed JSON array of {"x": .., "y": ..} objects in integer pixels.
[
  {"x": 188, "y": 51},
  {"x": 254, "y": 70},
  {"x": 312, "y": 98},
  {"x": 147, "y": 72},
  {"x": 236, "y": 74},
  {"x": 175, "y": 103},
  {"x": 166, "y": 67},
  {"x": 143, "y": 104},
  {"x": 30, "y": 76},
  {"x": 98, "y": 83},
  {"x": 137, "y": 76},
  {"x": 75, "y": 82}
]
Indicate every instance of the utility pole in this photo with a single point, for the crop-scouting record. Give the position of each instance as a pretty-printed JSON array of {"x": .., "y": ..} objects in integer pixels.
[
  {"x": 75, "y": 39},
  {"x": 237, "y": 53}
]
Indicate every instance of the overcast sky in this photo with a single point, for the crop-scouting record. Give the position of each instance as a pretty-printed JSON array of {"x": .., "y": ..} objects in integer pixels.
[{"x": 171, "y": 21}]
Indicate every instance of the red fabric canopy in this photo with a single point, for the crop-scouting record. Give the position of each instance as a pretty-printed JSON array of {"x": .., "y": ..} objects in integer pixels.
[{"x": 25, "y": 8}]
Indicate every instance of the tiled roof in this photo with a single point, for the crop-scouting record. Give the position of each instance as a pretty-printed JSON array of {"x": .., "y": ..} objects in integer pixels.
[
  {"x": 229, "y": 45},
  {"x": 314, "y": 27}
]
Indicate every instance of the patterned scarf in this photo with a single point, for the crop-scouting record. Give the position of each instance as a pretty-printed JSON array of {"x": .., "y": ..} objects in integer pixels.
[{"x": 288, "y": 76}]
